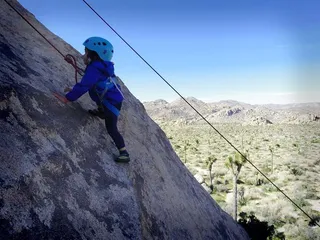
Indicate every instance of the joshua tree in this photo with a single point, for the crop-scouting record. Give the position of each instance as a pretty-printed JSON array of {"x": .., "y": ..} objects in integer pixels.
[
  {"x": 271, "y": 151},
  {"x": 209, "y": 162},
  {"x": 235, "y": 164},
  {"x": 296, "y": 145},
  {"x": 241, "y": 195},
  {"x": 186, "y": 145},
  {"x": 210, "y": 137}
]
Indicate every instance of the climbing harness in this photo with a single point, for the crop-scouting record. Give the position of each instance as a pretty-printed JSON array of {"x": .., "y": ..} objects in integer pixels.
[{"x": 107, "y": 84}]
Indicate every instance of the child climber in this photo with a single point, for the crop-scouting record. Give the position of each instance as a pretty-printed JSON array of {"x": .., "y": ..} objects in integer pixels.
[{"x": 99, "y": 79}]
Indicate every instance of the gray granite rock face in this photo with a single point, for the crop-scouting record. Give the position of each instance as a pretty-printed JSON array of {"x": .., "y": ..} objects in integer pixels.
[{"x": 58, "y": 179}]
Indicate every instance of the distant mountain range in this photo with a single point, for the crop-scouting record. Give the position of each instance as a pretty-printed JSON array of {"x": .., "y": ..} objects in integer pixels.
[{"x": 229, "y": 111}]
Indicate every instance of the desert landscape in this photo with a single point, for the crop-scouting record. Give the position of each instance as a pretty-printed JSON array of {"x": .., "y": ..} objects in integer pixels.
[{"x": 283, "y": 141}]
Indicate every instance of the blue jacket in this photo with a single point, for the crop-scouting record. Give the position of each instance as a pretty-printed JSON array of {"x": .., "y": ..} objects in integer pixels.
[{"x": 95, "y": 80}]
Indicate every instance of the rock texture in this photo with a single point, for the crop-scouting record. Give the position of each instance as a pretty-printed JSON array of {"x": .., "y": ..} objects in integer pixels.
[{"x": 58, "y": 179}]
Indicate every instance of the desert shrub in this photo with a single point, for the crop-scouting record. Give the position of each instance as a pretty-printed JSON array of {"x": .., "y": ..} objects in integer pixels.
[
  {"x": 290, "y": 220},
  {"x": 277, "y": 212},
  {"x": 254, "y": 194},
  {"x": 317, "y": 162},
  {"x": 250, "y": 180},
  {"x": 268, "y": 188},
  {"x": 265, "y": 169},
  {"x": 201, "y": 161},
  {"x": 296, "y": 172},
  {"x": 301, "y": 231},
  {"x": 299, "y": 195},
  {"x": 300, "y": 201},
  {"x": 312, "y": 196},
  {"x": 222, "y": 188},
  {"x": 315, "y": 140},
  {"x": 194, "y": 149},
  {"x": 219, "y": 198},
  {"x": 312, "y": 233},
  {"x": 197, "y": 164},
  {"x": 217, "y": 181},
  {"x": 243, "y": 201},
  {"x": 279, "y": 236},
  {"x": 220, "y": 172},
  {"x": 311, "y": 192}
]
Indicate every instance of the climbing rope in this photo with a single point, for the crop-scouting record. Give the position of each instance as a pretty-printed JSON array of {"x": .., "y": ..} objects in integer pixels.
[
  {"x": 72, "y": 60},
  {"x": 69, "y": 58},
  {"x": 312, "y": 220}
]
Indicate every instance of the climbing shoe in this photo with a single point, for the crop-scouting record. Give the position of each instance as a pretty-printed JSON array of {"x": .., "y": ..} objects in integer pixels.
[
  {"x": 97, "y": 113},
  {"x": 123, "y": 157}
]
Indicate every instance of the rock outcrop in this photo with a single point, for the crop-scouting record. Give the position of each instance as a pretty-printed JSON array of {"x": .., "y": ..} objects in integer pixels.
[
  {"x": 58, "y": 179},
  {"x": 233, "y": 112}
]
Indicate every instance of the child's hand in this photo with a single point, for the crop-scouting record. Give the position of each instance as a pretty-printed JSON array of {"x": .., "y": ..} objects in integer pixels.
[
  {"x": 67, "y": 89},
  {"x": 61, "y": 98}
]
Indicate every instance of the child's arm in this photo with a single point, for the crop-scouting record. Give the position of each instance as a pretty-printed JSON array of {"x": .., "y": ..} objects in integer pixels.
[{"x": 88, "y": 80}]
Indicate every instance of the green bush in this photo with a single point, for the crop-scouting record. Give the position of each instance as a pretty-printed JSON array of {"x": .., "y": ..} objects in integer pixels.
[
  {"x": 296, "y": 172},
  {"x": 222, "y": 188},
  {"x": 243, "y": 201},
  {"x": 219, "y": 198},
  {"x": 315, "y": 140}
]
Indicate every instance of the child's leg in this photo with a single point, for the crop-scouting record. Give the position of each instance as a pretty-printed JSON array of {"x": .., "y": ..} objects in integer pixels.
[{"x": 111, "y": 121}]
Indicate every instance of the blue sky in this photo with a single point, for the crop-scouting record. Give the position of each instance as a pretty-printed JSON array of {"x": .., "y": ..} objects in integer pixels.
[{"x": 255, "y": 51}]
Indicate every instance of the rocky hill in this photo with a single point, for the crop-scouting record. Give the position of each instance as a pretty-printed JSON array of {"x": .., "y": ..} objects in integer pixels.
[
  {"x": 231, "y": 111},
  {"x": 58, "y": 179}
]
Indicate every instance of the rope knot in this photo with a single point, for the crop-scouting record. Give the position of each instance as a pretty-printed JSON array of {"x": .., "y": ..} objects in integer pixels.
[
  {"x": 69, "y": 59},
  {"x": 72, "y": 60}
]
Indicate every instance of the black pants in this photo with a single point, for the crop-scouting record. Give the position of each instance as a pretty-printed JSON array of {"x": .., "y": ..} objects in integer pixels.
[{"x": 111, "y": 121}]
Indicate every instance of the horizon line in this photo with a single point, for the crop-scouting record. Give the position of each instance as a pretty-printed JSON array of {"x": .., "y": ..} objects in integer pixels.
[{"x": 230, "y": 100}]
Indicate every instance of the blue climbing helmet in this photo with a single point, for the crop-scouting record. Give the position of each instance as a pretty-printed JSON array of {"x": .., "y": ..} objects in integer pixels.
[{"x": 101, "y": 46}]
